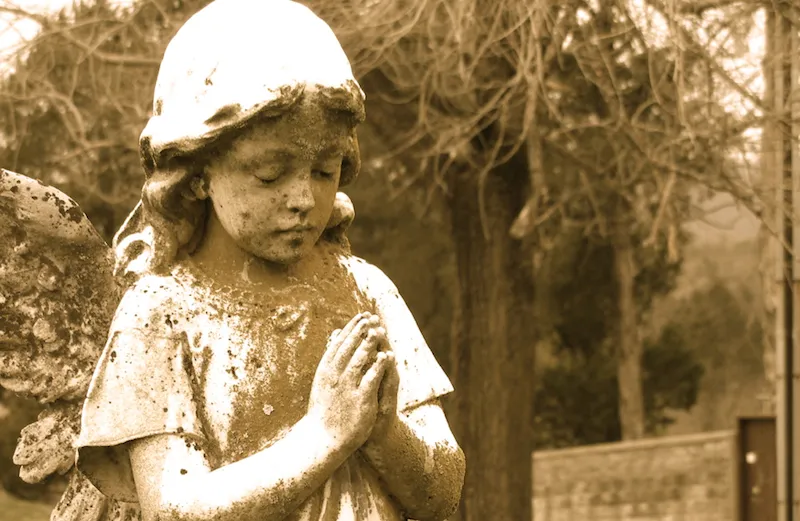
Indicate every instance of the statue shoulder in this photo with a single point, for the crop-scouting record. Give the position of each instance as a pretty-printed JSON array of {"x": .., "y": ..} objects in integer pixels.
[
  {"x": 370, "y": 279},
  {"x": 151, "y": 303}
]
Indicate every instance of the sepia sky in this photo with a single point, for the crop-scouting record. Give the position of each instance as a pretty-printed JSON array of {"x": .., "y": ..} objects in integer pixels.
[{"x": 13, "y": 34}]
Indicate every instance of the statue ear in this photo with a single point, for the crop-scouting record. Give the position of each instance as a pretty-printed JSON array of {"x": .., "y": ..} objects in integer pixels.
[{"x": 199, "y": 187}]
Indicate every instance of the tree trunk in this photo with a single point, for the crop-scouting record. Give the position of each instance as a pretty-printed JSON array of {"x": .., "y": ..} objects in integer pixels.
[
  {"x": 629, "y": 349},
  {"x": 493, "y": 347}
]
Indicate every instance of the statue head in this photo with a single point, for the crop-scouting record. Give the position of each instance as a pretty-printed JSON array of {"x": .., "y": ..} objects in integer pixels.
[{"x": 237, "y": 70}]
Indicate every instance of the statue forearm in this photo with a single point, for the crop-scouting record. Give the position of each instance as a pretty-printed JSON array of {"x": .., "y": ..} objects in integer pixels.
[
  {"x": 423, "y": 471},
  {"x": 266, "y": 486}
]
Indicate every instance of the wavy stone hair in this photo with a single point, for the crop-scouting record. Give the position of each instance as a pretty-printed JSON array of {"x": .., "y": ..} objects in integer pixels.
[{"x": 169, "y": 219}]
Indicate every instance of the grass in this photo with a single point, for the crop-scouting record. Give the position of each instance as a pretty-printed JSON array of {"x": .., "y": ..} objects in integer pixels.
[{"x": 13, "y": 509}]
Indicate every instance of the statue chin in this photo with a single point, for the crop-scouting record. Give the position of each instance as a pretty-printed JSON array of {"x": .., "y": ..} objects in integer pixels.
[
  {"x": 281, "y": 256},
  {"x": 284, "y": 259}
]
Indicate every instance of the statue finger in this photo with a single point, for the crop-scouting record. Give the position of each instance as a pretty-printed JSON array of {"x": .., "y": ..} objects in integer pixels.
[
  {"x": 390, "y": 386},
  {"x": 347, "y": 329},
  {"x": 349, "y": 344},
  {"x": 375, "y": 373},
  {"x": 364, "y": 357}
]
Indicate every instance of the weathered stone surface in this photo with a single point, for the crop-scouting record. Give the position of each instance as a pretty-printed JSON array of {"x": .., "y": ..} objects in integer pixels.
[
  {"x": 45, "y": 446},
  {"x": 82, "y": 502},
  {"x": 57, "y": 292}
]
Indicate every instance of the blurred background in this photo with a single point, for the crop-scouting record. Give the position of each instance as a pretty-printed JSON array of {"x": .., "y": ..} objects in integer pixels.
[{"x": 578, "y": 200}]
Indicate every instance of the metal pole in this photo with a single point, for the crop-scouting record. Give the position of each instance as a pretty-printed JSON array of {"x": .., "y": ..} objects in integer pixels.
[{"x": 780, "y": 30}]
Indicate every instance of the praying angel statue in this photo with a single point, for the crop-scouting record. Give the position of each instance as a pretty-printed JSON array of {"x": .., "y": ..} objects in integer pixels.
[{"x": 227, "y": 358}]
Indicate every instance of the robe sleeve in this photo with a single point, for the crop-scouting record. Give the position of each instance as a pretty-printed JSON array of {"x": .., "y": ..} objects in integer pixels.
[
  {"x": 143, "y": 385},
  {"x": 422, "y": 379}
]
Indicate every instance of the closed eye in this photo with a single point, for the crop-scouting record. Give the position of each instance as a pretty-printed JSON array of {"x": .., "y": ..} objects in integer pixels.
[
  {"x": 268, "y": 177},
  {"x": 269, "y": 173}
]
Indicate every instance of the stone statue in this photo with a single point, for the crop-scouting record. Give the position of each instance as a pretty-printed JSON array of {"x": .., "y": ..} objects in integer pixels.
[{"x": 227, "y": 358}]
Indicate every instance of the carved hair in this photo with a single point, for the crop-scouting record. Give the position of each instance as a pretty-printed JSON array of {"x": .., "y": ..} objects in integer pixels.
[{"x": 169, "y": 219}]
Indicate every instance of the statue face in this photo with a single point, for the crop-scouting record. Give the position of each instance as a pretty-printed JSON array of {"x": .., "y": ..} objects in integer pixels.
[{"x": 273, "y": 190}]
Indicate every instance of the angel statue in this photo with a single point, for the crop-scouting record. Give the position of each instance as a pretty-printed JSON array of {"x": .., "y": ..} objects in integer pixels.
[{"x": 227, "y": 358}]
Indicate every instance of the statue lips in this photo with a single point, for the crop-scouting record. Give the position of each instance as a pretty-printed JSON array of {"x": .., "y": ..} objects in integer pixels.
[
  {"x": 296, "y": 228},
  {"x": 297, "y": 232}
]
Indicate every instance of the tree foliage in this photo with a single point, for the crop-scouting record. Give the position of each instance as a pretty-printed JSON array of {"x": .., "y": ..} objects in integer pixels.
[
  {"x": 583, "y": 81},
  {"x": 586, "y": 294},
  {"x": 578, "y": 404},
  {"x": 708, "y": 351},
  {"x": 717, "y": 323},
  {"x": 578, "y": 397}
]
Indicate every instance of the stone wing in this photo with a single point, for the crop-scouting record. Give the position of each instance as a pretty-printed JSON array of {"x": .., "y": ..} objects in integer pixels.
[{"x": 57, "y": 298}]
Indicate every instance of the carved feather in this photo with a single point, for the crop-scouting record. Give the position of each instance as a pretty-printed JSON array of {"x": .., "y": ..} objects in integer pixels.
[{"x": 45, "y": 446}]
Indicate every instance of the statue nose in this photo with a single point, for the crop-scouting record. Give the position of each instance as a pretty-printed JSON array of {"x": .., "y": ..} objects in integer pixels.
[{"x": 299, "y": 196}]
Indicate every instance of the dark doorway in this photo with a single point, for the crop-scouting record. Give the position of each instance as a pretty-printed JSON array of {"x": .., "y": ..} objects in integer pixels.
[{"x": 758, "y": 472}]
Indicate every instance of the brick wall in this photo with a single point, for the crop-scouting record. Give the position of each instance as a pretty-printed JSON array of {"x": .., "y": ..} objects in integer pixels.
[{"x": 676, "y": 478}]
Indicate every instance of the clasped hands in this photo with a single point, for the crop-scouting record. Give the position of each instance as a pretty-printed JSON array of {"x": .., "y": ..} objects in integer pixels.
[{"x": 354, "y": 392}]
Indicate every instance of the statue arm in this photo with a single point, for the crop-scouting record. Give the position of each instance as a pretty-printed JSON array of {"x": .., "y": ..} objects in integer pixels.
[
  {"x": 174, "y": 481},
  {"x": 412, "y": 448},
  {"x": 420, "y": 462}
]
